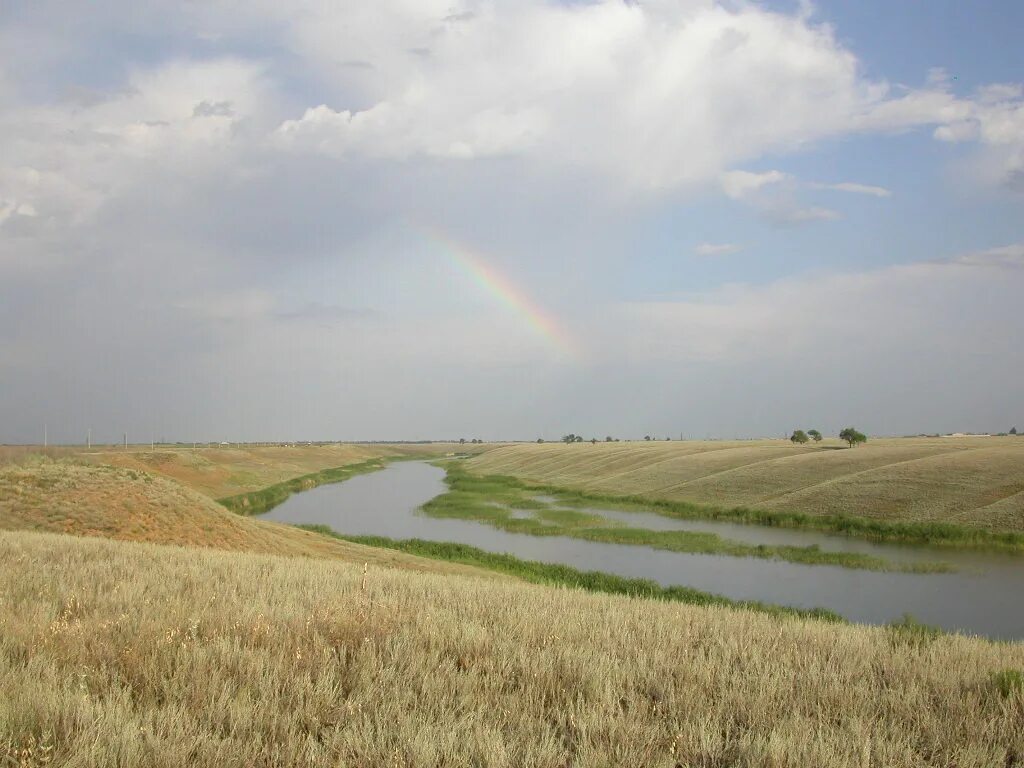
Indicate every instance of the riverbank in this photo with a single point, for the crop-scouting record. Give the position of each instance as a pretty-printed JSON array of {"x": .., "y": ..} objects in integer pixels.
[
  {"x": 262, "y": 501},
  {"x": 932, "y": 534},
  {"x": 517, "y": 507},
  {"x": 940, "y": 490},
  {"x": 565, "y": 576}
]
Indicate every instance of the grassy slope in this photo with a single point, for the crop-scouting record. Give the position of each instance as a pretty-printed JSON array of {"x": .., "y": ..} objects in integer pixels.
[
  {"x": 976, "y": 482},
  {"x": 127, "y": 654},
  {"x": 231, "y": 470},
  {"x": 66, "y": 496},
  {"x": 505, "y": 503}
]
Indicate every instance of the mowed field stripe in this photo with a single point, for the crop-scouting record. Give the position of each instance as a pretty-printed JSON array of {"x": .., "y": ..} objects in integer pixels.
[
  {"x": 860, "y": 472},
  {"x": 721, "y": 472},
  {"x": 681, "y": 459},
  {"x": 861, "y": 475}
]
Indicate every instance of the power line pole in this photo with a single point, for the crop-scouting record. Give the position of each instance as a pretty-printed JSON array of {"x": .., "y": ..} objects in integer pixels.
[
  {"x": 46, "y": 437},
  {"x": 88, "y": 439},
  {"x": 126, "y": 441}
]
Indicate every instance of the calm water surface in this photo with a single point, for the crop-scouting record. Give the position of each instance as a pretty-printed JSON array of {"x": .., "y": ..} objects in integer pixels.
[{"x": 985, "y": 596}]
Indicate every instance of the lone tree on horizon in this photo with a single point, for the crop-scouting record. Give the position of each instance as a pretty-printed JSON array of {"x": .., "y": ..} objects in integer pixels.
[
  {"x": 1013, "y": 430},
  {"x": 852, "y": 436},
  {"x": 799, "y": 436},
  {"x": 814, "y": 434}
]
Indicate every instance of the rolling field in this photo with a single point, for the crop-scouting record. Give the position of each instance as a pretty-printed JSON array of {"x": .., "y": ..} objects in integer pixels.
[
  {"x": 126, "y": 654},
  {"x": 222, "y": 471},
  {"x": 66, "y": 496},
  {"x": 975, "y": 482}
]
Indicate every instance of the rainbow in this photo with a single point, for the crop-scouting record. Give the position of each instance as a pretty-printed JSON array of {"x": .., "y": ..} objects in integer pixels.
[{"x": 493, "y": 282}]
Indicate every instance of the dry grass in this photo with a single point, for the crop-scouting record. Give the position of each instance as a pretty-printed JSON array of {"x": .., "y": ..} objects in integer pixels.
[
  {"x": 968, "y": 481},
  {"x": 65, "y": 496},
  {"x": 137, "y": 655},
  {"x": 229, "y": 470}
]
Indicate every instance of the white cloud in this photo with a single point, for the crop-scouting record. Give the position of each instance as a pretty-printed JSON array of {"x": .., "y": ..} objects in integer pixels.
[
  {"x": 787, "y": 214},
  {"x": 945, "y": 308},
  {"x": 740, "y": 184},
  {"x": 717, "y": 249},
  {"x": 996, "y": 122},
  {"x": 855, "y": 188},
  {"x": 1004, "y": 256},
  {"x": 775, "y": 196},
  {"x": 64, "y": 160},
  {"x": 684, "y": 90}
]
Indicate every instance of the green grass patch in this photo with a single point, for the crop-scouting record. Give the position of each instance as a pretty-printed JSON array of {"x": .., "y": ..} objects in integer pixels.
[
  {"x": 564, "y": 575},
  {"x": 265, "y": 499},
  {"x": 495, "y": 499},
  {"x": 908, "y": 631},
  {"x": 1008, "y": 682}
]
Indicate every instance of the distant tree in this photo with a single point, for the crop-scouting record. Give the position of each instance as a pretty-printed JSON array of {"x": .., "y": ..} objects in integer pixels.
[
  {"x": 814, "y": 434},
  {"x": 579, "y": 438},
  {"x": 540, "y": 439},
  {"x": 609, "y": 439},
  {"x": 462, "y": 441},
  {"x": 593, "y": 441},
  {"x": 570, "y": 438},
  {"x": 852, "y": 436},
  {"x": 1013, "y": 430},
  {"x": 647, "y": 437},
  {"x": 799, "y": 436}
]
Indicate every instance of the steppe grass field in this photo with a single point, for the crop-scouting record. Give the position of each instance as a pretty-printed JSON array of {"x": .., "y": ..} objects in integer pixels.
[
  {"x": 972, "y": 482},
  {"x": 68, "y": 496},
  {"x": 169, "y": 631},
  {"x": 224, "y": 471},
  {"x": 127, "y": 654}
]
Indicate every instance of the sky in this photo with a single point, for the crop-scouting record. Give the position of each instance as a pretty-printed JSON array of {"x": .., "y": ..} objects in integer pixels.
[{"x": 509, "y": 219}]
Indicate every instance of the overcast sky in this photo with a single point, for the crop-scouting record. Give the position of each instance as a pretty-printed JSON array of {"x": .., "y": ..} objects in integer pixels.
[{"x": 246, "y": 220}]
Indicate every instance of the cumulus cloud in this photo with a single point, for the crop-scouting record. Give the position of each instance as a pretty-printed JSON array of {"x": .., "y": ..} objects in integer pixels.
[{"x": 197, "y": 230}]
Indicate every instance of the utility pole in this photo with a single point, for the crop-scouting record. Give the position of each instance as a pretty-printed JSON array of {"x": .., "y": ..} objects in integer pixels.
[
  {"x": 46, "y": 438},
  {"x": 88, "y": 439},
  {"x": 126, "y": 441}
]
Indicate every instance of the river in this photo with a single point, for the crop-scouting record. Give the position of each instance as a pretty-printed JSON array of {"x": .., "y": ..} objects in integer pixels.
[{"x": 984, "y": 596}]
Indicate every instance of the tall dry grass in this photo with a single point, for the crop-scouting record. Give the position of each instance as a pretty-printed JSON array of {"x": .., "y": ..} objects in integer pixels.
[{"x": 137, "y": 655}]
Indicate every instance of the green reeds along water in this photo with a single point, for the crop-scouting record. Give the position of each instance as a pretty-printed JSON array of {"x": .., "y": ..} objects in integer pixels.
[
  {"x": 564, "y": 575},
  {"x": 265, "y": 499},
  {"x": 512, "y": 506},
  {"x": 936, "y": 534}
]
